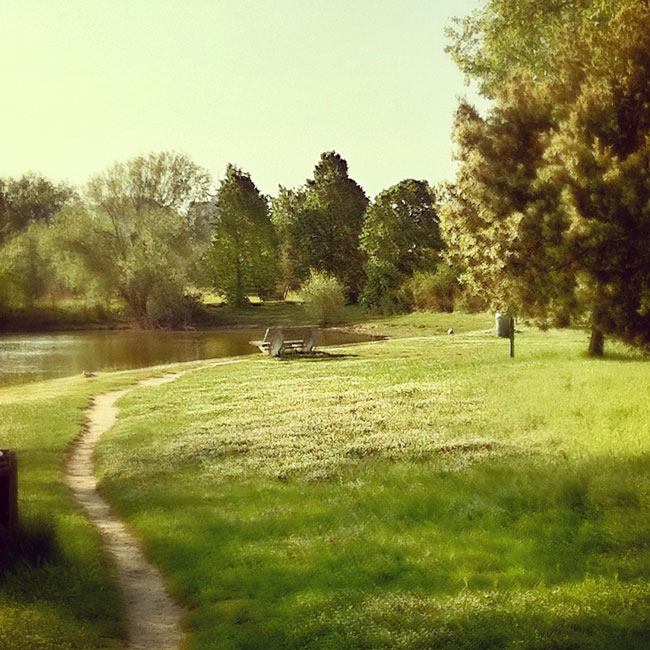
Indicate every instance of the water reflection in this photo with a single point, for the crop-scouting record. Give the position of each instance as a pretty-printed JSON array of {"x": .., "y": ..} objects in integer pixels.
[{"x": 63, "y": 354}]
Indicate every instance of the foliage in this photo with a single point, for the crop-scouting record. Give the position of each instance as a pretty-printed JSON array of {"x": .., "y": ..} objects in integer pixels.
[
  {"x": 321, "y": 223},
  {"x": 285, "y": 208},
  {"x": 323, "y": 297},
  {"x": 503, "y": 37},
  {"x": 132, "y": 235},
  {"x": 27, "y": 207},
  {"x": 29, "y": 199},
  {"x": 433, "y": 291},
  {"x": 400, "y": 235},
  {"x": 550, "y": 210},
  {"x": 242, "y": 256},
  {"x": 26, "y": 271}
]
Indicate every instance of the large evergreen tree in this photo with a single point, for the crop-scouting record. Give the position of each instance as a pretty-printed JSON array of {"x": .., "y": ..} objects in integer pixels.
[
  {"x": 551, "y": 209},
  {"x": 242, "y": 257},
  {"x": 326, "y": 225}
]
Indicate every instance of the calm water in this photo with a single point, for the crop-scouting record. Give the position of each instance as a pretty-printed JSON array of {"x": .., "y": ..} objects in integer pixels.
[{"x": 63, "y": 354}]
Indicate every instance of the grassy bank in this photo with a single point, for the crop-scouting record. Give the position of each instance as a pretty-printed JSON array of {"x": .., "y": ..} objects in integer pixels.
[
  {"x": 417, "y": 493},
  {"x": 76, "y": 315}
]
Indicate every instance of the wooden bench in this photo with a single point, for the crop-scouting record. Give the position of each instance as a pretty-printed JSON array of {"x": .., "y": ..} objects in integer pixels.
[{"x": 278, "y": 340}]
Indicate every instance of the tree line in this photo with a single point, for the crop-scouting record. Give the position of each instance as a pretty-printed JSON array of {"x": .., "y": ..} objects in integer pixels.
[
  {"x": 548, "y": 216},
  {"x": 153, "y": 232}
]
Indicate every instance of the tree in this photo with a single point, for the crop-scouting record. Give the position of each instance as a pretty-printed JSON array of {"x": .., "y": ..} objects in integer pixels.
[
  {"x": 551, "y": 209},
  {"x": 400, "y": 235},
  {"x": 504, "y": 37},
  {"x": 285, "y": 208},
  {"x": 242, "y": 257},
  {"x": 134, "y": 235},
  {"x": 29, "y": 199},
  {"x": 327, "y": 222}
]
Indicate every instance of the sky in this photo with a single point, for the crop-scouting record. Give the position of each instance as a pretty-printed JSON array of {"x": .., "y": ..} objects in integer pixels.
[{"x": 267, "y": 85}]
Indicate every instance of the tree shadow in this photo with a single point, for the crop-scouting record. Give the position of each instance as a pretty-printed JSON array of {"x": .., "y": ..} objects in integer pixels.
[
  {"x": 30, "y": 544},
  {"x": 316, "y": 355}
]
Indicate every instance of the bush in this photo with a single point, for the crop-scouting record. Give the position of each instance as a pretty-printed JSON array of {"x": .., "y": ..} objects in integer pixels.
[
  {"x": 171, "y": 306},
  {"x": 324, "y": 297},
  {"x": 427, "y": 291},
  {"x": 471, "y": 303},
  {"x": 380, "y": 292}
]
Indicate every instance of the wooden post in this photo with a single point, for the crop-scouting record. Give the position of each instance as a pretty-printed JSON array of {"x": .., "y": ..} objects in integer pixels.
[
  {"x": 8, "y": 490},
  {"x": 512, "y": 337}
]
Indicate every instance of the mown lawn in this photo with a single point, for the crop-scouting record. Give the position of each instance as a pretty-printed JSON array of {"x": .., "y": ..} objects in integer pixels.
[
  {"x": 416, "y": 493},
  {"x": 57, "y": 588}
]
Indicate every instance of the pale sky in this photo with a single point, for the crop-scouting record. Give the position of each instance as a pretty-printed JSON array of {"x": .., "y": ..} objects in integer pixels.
[{"x": 265, "y": 84}]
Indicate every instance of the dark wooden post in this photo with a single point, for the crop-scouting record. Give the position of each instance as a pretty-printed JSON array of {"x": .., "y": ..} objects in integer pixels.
[
  {"x": 8, "y": 489},
  {"x": 512, "y": 336}
]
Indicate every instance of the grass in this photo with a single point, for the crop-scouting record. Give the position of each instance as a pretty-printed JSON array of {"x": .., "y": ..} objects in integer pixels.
[
  {"x": 413, "y": 493},
  {"x": 353, "y": 316},
  {"x": 57, "y": 588}
]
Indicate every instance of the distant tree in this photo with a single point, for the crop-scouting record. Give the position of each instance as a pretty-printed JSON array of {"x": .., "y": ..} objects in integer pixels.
[
  {"x": 551, "y": 209},
  {"x": 133, "y": 234},
  {"x": 26, "y": 270},
  {"x": 285, "y": 208},
  {"x": 242, "y": 256},
  {"x": 326, "y": 227},
  {"x": 29, "y": 199},
  {"x": 400, "y": 235}
]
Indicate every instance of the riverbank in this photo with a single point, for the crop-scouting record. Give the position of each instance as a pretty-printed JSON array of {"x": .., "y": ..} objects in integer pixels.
[
  {"x": 74, "y": 317},
  {"x": 420, "y": 492},
  {"x": 41, "y": 355}
]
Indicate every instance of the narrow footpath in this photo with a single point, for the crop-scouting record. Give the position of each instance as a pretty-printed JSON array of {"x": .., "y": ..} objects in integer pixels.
[{"x": 154, "y": 620}]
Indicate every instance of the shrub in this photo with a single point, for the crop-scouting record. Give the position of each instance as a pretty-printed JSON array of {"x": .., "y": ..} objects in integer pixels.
[
  {"x": 380, "y": 293},
  {"x": 471, "y": 303},
  {"x": 431, "y": 291},
  {"x": 324, "y": 297}
]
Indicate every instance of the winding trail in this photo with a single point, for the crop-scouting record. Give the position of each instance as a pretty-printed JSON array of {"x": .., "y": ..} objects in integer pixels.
[{"x": 154, "y": 620}]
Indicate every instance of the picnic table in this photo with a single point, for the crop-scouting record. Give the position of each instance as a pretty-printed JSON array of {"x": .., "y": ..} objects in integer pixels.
[{"x": 278, "y": 340}]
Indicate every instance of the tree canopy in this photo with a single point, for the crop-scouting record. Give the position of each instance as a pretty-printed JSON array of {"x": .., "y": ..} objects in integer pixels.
[
  {"x": 132, "y": 235},
  {"x": 400, "y": 235},
  {"x": 324, "y": 224},
  {"x": 503, "y": 37},
  {"x": 551, "y": 208},
  {"x": 29, "y": 199},
  {"x": 242, "y": 256}
]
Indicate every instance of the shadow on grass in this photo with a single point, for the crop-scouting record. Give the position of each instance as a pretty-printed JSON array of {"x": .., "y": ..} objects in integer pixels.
[
  {"x": 317, "y": 355},
  {"x": 518, "y": 552},
  {"x": 28, "y": 545},
  {"x": 53, "y": 597}
]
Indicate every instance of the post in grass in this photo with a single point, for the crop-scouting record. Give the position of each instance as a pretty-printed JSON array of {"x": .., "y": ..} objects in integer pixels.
[{"x": 505, "y": 328}]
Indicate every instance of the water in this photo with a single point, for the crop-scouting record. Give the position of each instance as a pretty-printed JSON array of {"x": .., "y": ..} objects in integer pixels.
[{"x": 28, "y": 356}]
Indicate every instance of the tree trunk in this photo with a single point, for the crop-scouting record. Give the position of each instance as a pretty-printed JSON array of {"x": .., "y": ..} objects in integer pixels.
[{"x": 596, "y": 342}]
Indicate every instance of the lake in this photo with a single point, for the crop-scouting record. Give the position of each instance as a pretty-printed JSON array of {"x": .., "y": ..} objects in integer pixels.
[{"x": 45, "y": 355}]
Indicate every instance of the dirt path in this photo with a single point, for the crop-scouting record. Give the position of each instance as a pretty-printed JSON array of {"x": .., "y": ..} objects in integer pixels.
[{"x": 153, "y": 618}]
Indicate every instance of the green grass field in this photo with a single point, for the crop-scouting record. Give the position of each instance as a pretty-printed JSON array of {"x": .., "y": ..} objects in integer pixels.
[
  {"x": 421, "y": 492},
  {"x": 57, "y": 589},
  {"x": 415, "y": 493}
]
